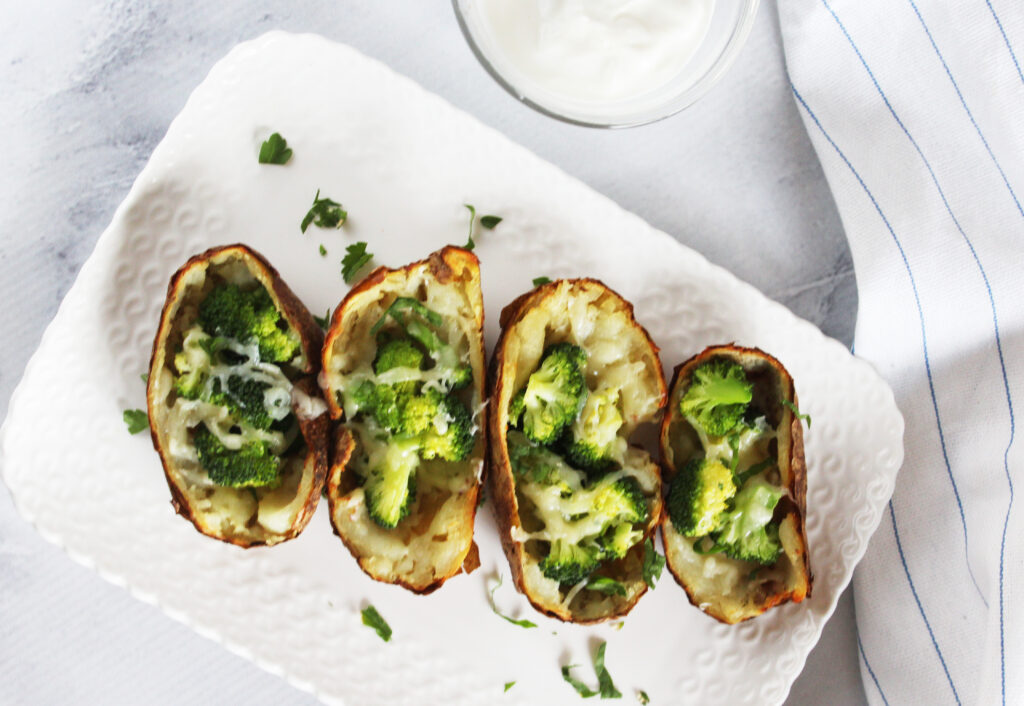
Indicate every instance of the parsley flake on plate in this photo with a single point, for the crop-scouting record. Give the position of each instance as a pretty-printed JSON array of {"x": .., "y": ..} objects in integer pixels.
[
  {"x": 355, "y": 258},
  {"x": 136, "y": 419},
  {"x": 374, "y": 620},
  {"x": 324, "y": 213},
  {"x": 275, "y": 150}
]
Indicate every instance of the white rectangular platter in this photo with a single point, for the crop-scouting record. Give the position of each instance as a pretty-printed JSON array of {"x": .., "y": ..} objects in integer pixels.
[{"x": 403, "y": 162}]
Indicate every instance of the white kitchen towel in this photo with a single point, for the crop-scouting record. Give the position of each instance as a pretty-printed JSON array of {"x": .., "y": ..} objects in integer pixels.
[{"x": 916, "y": 110}]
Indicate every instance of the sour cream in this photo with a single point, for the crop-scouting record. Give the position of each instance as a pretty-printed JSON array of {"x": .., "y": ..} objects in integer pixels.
[{"x": 590, "y": 52}]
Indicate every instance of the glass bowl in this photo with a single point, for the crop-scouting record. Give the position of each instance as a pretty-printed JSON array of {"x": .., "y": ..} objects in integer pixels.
[{"x": 730, "y": 24}]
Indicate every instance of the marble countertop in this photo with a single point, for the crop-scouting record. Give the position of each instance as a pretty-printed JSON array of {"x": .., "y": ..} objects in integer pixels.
[{"x": 89, "y": 90}]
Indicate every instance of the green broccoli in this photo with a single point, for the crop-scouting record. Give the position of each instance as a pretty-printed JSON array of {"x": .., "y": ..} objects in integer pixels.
[
  {"x": 385, "y": 403},
  {"x": 391, "y": 487},
  {"x": 621, "y": 505},
  {"x": 718, "y": 396},
  {"x": 553, "y": 394},
  {"x": 252, "y": 466},
  {"x": 450, "y": 435},
  {"x": 413, "y": 317},
  {"x": 698, "y": 497},
  {"x": 193, "y": 364},
  {"x": 592, "y": 442},
  {"x": 535, "y": 463},
  {"x": 619, "y": 539},
  {"x": 244, "y": 397},
  {"x": 247, "y": 314},
  {"x": 397, "y": 353},
  {"x": 569, "y": 563},
  {"x": 748, "y": 532}
]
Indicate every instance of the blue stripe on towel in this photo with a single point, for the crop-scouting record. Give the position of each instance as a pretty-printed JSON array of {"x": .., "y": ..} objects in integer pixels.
[
  {"x": 1005, "y": 38},
  {"x": 938, "y": 420},
  {"x": 863, "y": 656},
  {"x": 995, "y": 322},
  {"x": 963, "y": 102},
  {"x": 927, "y": 363}
]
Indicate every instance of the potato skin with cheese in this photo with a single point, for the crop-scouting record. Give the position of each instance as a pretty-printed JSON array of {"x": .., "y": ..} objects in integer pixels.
[
  {"x": 732, "y": 596},
  {"x": 233, "y": 514},
  {"x": 435, "y": 541},
  {"x": 589, "y": 314}
]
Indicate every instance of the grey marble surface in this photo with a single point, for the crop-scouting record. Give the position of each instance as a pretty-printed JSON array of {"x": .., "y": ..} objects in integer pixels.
[{"x": 88, "y": 91}]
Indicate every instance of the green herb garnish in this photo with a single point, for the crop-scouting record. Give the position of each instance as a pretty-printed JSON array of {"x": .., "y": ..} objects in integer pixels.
[
  {"x": 325, "y": 321},
  {"x": 509, "y": 685},
  {"x": 581, "y": 688},
  {"x": 792, "y": 408},
  {"x": 538, "y": 281},
  {"x": 373, "y": 619},
  {"x": 607, "y": 586},
  {"x": 323, "y": 250},
  {"x": 741, "y": 478},
  {"x": 520, "y": 623},
  {"x": 605, "y": 685},
  {"x": 355, "y": 257},
  {"x": 275, "y": 150},
  {"x": 136, "y": 419},
  {"x": 472, "y": 219},
  {"x": 489, "y": 222},
  {"x": 324, "y": 213},
  {"x": 145, "y": 378},
  {"x": 642, "y": 697},
  {"x": 653, "y": 563}
]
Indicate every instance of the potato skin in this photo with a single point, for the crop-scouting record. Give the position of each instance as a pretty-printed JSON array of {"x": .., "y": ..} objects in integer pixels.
[
  {"x": 794, "y": 509},
  {"x": 314, "y": 430},
  {"x": 444, "y": 266},
  {"x": 499, "y": 469}
]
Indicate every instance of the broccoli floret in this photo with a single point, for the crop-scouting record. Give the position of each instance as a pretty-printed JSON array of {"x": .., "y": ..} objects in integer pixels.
[
  {"x": 592, "y": 443},
  {"x": 398, "y": 353},
  {"x": 385, "y": 403},
  {"x": 391, "y": 487},
  {"x": 569, "y": 563},
  {"x": 244, "y": 397},
  {"x": 619, "y": 539},
  {"x": 718, "y": 396},
  {"x": 621, "y": 501},
  {"x": 553, "y": 394},
  {"x": 748, "y": 532},
  {"x": 460, "y": 376},
  {"x": 516, "y": 407},
  {"x": 192, "y": 363},
  {"x": 246, "y": 314},
  {"x": 450, "y": 434},
  {"x": 252, "y": 466},
  {"x": 699, "y": 496},
  {"x": 534, "y": 463}
]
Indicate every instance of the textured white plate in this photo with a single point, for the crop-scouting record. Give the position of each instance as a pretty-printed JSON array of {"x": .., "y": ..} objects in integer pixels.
[{"x": 403, "y": 162}]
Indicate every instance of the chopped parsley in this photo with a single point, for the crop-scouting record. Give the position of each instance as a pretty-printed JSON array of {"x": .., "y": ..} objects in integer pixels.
[
  {"x": 325, "y": 321},
  {"x": 324, "y": 213},
  {"x": 520, "y": 623},
  {"x": 538, "y": 281},
  {"x": 355, "y": 257},
  {"x": 489, "y": 222},
  {"x": 275, "y": 150},
  {"x": 509, "y": 685},
  {"x": 374, "y": 620},
  {"x": 472, "y": 218},
  {"x": 792, "y": 408},
  {"x": 145, "y": 378},
  {"x": 136, "y": 419},
  {"x": 605, "y": 685},
  {"x": 642, "y": 697},
  {"x": 323, "y": 250},
  {"x": 653, "y": 563},
  {"x": 607, "y": 586}
]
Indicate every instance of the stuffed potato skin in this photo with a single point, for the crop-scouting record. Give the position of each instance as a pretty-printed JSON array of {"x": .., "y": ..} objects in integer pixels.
[
  {"x": 789, "y": 579},
  {"x": 435, "y": 541},
  {"x": 552, "y": 313},
  {"x": 212, "y": 514}
]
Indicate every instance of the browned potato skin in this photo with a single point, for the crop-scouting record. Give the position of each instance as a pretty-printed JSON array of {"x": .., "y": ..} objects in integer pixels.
[
  {"x": 796, "y": 509},
  {"x": 314, "y": 431},
  {"x": 499, "y": 467},
  {"x": 444, "y": 264}
]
